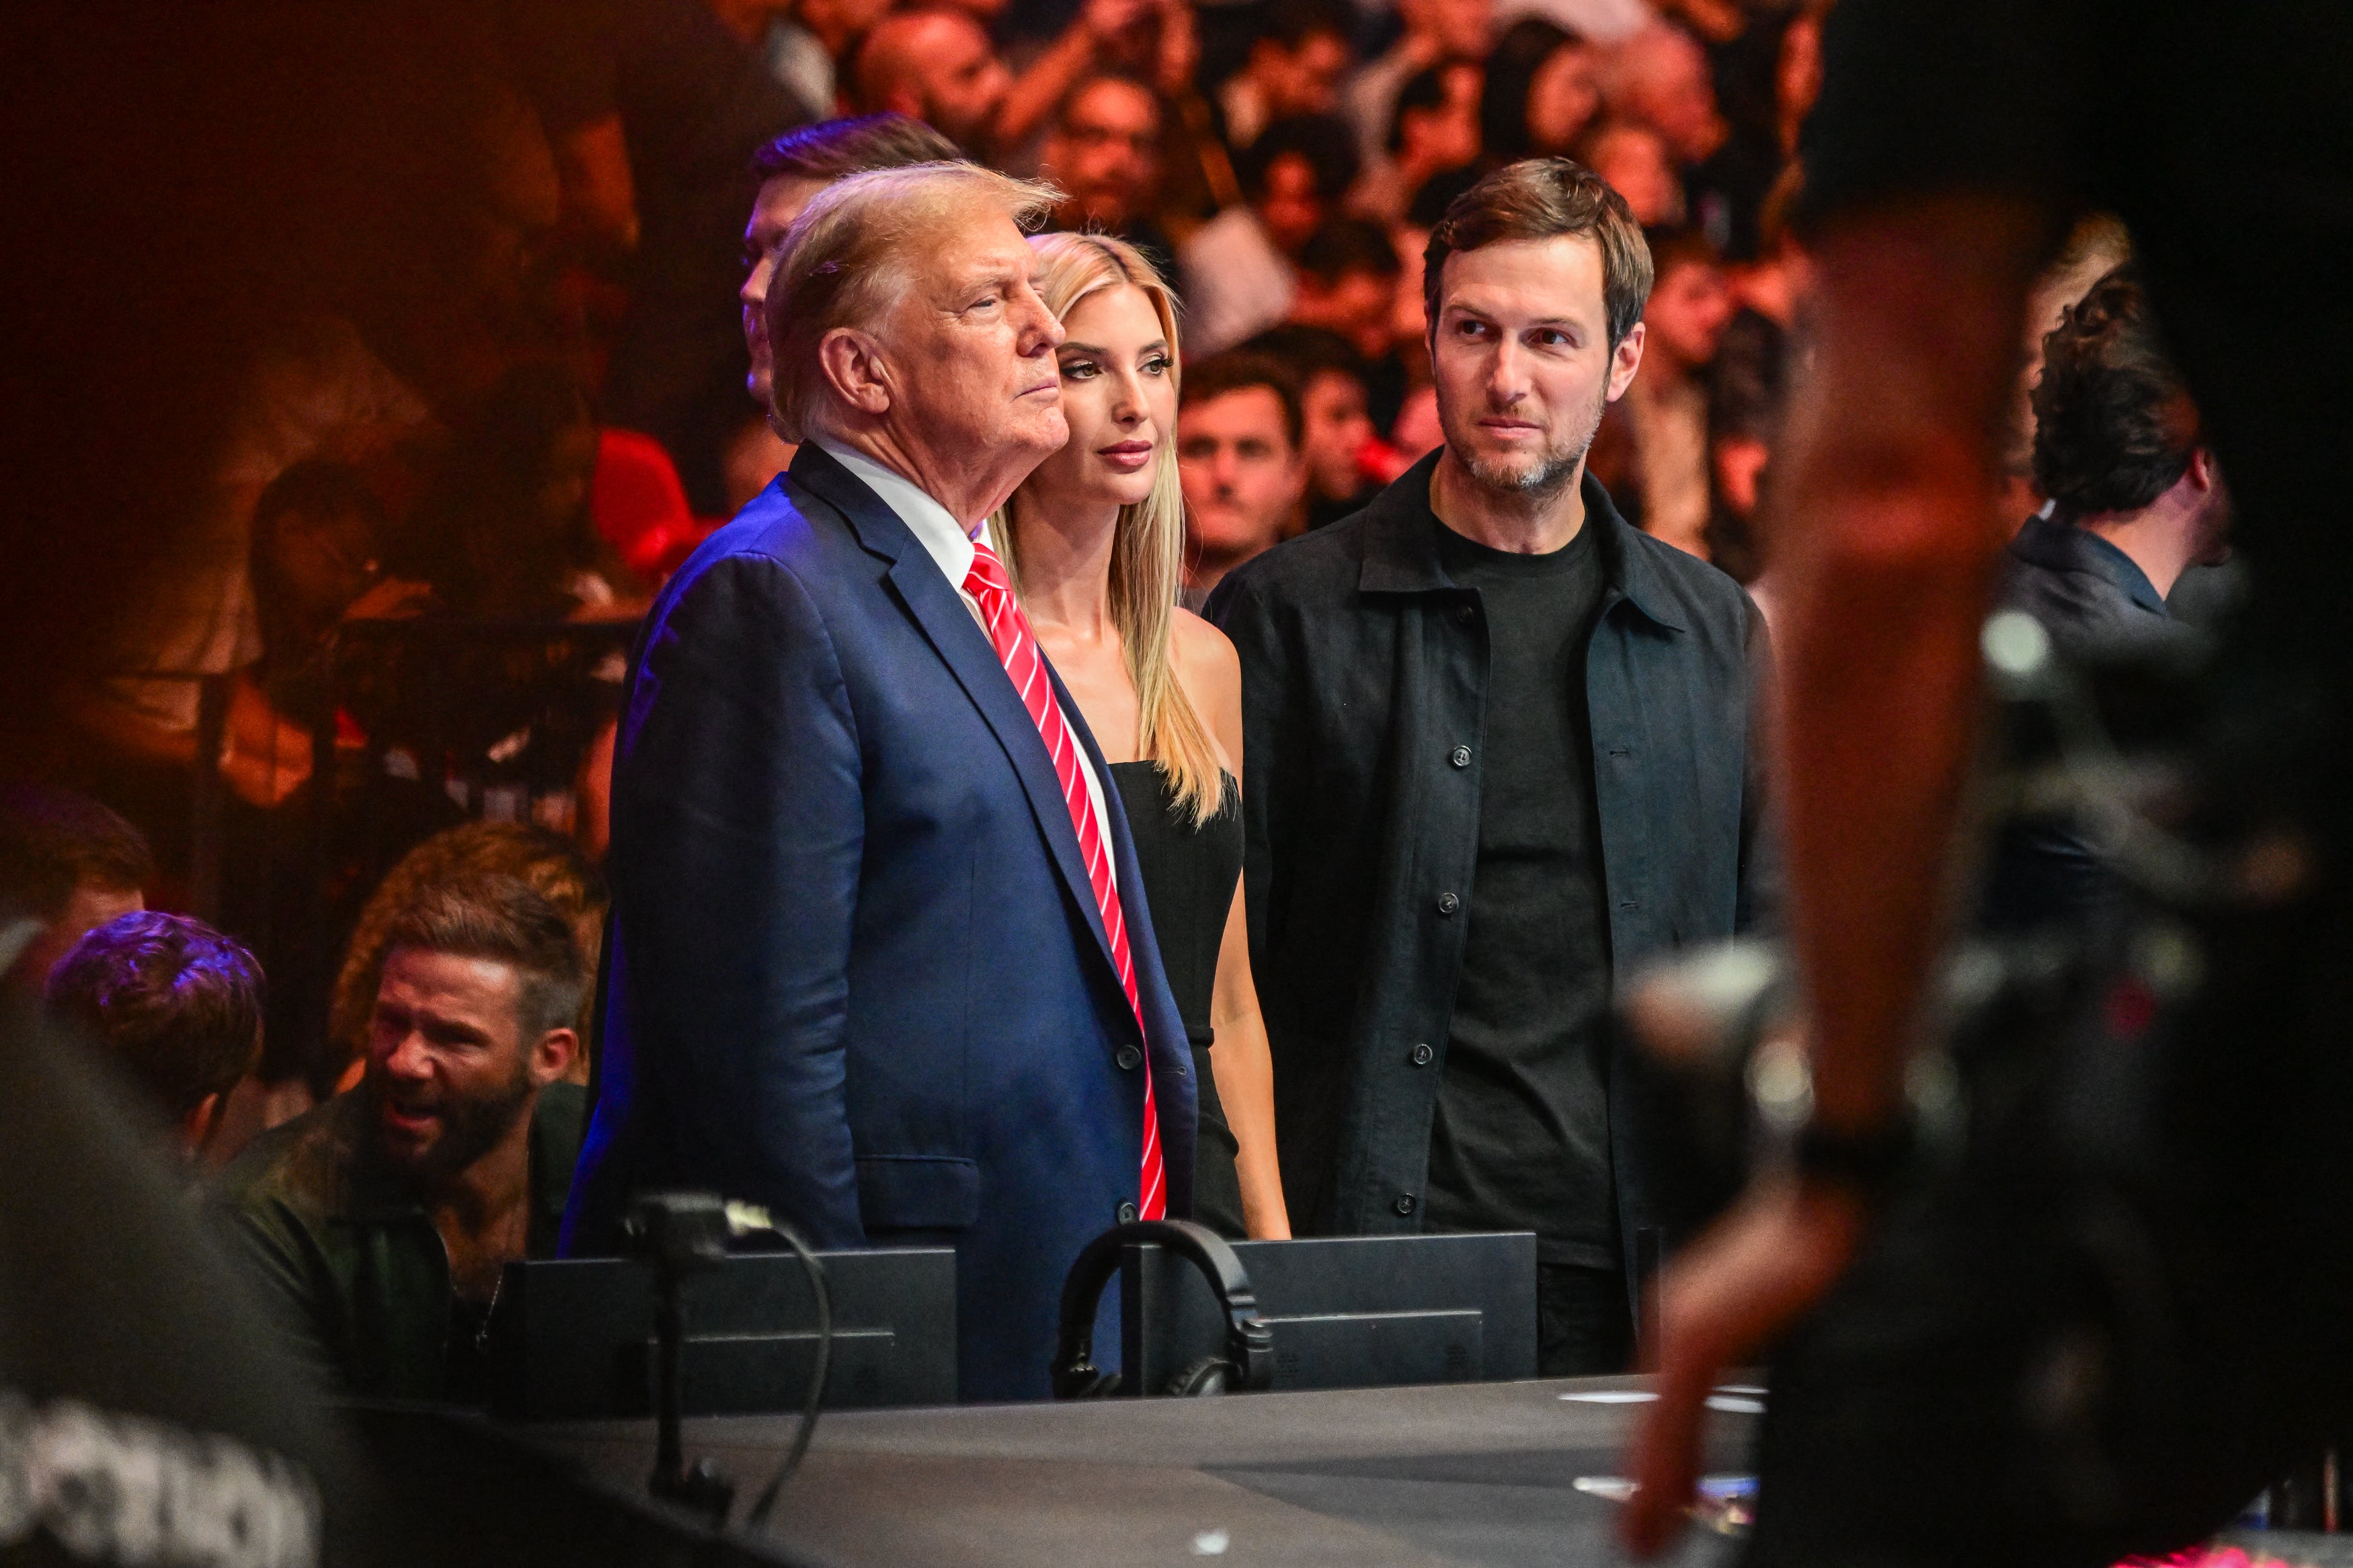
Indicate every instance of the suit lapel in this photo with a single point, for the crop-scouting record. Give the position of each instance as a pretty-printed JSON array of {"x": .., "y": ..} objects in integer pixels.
[{"x": 948, "y": 625}]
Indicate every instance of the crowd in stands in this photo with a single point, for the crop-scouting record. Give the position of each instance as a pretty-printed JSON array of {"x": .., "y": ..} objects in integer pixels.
[{"x": 361, "y": 714}]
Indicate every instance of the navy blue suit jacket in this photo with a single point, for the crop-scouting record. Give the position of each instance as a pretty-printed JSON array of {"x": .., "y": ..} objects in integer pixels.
[{"x": 856, "y": 972}]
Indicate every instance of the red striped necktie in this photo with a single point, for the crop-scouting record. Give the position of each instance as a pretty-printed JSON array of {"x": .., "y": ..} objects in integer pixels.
[{"x": 1016, "y": 647}]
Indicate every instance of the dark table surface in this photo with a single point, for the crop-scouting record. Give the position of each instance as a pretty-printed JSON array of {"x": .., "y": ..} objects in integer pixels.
[{"x": 1480, "y": 1474}]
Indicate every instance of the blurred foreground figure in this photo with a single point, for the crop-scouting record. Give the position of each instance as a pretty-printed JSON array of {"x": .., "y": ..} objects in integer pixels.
[{"x": 2120, "y": 1313}]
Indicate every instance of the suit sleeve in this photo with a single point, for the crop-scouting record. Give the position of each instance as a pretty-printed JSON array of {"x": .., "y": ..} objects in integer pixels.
[{"x": 739, "y": 830}]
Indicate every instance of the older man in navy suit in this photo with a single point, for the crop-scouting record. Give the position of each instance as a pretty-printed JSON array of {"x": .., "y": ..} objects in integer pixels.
[{"x": 881, "y": 958}]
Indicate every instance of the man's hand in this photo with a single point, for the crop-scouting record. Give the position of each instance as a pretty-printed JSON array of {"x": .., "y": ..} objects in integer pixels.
[{"x": 1738, "y": 1290}]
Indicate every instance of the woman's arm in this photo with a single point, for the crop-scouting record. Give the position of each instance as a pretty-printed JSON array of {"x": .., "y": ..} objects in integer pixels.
[
  {"x": 1244, "y": 1068},
  {"x": 1211, "y": 675}
]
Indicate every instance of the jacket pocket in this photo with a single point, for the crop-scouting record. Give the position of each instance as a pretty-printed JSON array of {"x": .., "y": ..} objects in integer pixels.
[{"x": 917, "y": 1192}]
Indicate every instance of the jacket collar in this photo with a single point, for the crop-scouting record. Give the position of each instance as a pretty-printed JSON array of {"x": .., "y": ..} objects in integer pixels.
[
  {"x": 2056, "y": 544},
  {"x": 1401, "y": 546}
]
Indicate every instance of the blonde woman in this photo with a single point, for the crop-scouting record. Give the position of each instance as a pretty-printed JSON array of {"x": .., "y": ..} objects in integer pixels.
[{"x": 1095, "y": 543}]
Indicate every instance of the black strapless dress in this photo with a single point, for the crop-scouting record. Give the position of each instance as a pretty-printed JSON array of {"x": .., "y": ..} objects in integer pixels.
[{"x": 1189, "y": 875}]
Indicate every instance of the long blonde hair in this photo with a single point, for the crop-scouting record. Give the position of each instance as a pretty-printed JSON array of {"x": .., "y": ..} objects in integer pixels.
[{"x": 1147, "y": 553}]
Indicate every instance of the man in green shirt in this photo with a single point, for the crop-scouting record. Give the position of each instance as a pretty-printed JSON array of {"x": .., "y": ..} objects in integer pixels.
[{"x": 378, "y": 1224}]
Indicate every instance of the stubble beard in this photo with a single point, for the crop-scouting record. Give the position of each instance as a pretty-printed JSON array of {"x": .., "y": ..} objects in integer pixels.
[{"x": 1548, "y": 472}]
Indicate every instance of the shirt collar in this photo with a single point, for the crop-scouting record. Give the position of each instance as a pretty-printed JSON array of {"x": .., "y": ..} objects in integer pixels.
[
  {"x": 933, "y": 526},
  {"x": 2056, "y": 542},
  {"x": 1401, "y": 550}
]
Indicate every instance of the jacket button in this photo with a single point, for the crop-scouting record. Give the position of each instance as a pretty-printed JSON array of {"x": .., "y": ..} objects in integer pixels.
[
  {"x": 1423, "y": 1056},
  {"x": 1128, "y": 1057},
  {"x": 1405, "y": 1203},
  {"x": 1127, "y": 1214},
  {"x": 1447, "y": 903},
  {"x": 1466, "y": 614},
  {"x": 1460, "y": 757}
]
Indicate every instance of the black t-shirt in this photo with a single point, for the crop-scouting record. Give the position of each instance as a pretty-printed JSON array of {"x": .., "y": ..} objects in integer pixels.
[{"x": 1521, "y": 1136}]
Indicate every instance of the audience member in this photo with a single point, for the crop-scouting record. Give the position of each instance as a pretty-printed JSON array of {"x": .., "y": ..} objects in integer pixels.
[
  {"x": 1666, "y": 407},
  {"x": 1294, "y": 68},
  {"x": 1542, "y": 94},
  {"x": 1633, "y": 159},
  {"x": 505, "y": 534},
  {"x": 1500, "y": 750},
  {"x": 1435, "y": 31},
  {"x": 377, "y": 1227},
  {"x": 793, "y": 168},
  {"x": 1152, "y": 40},
  {"x": 938, "y": 66},
  {"x": 69, "y": 863},
  {"x": 1337, "y": 439},
  {"x": 1434, "y": 130},
  {"x": 1238, "y": 267},
  {"x": 1661, "y": 77},
  {"x": 2136, "y": 500},
  {"x": 693, "y": 100},
  {"x": 1745, "y": 392},
  {"x": 1347, "y": 284},
  {"x": 1238, "y": 457},
  {"x": 806, "y": 41},
  {"x": 548, "y": 863},
  {"x": 1103, "y": 152},
  {"x": 175, "y": 1005},
  {"x": 318, "y": 539}
]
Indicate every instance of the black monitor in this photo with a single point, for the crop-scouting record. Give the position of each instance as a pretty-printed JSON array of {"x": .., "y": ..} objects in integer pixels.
[
  {"x": 574, "y": 1338},
  {"x": 1356, "y": 1311}
]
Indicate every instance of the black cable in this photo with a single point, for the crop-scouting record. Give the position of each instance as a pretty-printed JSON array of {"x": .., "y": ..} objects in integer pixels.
[{"x": 824, "y": 1293}]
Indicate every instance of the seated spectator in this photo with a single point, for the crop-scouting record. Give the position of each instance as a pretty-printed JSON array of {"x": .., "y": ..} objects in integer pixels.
[
  {"x": 69, "y": 863},
  {"x": 317, "y": 547},
  {"x": 1666, "y": 407},
  {"x": 1434, "y": 130},
  {"x": 1744, "y": 388},
  {"x": 1294, "y": 68},
  {"x": 1435, "y": 31},
  {"x": 550, "y": 863},
  {"x": 175, "y": 1005},
  {"x": 506, "y": 533},
  {"x": 1238, "y": 267},
  {"x": 1348, "y": 462},
  {"x": 938, "y": 66},
  {"x": 1661, "y": 77},
  {"x": 1634, "y": 161},
  {"x": 1543, "y": 93},
  {"x": 378, "y": 1225},
  {"x": 1347, "y": 284},
  {"x": 1239, "y": 458},
  {"x": 1151, "y": 40},
  {"x": 791, "y": 169},
  {"x": 1104, "y": 151}
]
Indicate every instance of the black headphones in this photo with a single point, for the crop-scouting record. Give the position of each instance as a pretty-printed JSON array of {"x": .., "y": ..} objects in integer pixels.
[{"x": 1248, "y": 1359}]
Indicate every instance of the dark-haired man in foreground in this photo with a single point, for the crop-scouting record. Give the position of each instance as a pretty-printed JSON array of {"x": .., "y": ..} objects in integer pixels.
[
  {"x": 175, "y": 1004},
  {"x": 377, "y": 1225},
  {"x": 1499, "y": 754}
]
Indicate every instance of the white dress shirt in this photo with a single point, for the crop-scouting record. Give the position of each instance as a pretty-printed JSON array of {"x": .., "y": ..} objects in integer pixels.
[{"x": 949, "y": 544}]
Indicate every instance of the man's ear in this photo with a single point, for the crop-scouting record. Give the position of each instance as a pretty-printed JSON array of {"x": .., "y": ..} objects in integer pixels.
[
  {"x": 1625, "y": 360},
  {"x": 2205, "y": 469},
  {"x": 851, "y": 362},
  {"x": 552, "y": 1057}
]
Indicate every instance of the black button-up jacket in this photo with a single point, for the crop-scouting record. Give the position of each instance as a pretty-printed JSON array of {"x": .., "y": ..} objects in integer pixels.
[{"x": 1363, "y": 695}]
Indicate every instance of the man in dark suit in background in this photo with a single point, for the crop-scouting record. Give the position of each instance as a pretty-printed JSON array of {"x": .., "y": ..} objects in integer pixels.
[{"x": 880, "y": 956}]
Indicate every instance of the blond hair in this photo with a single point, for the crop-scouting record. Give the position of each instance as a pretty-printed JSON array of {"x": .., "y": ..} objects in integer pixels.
[
  {"x": 1147, "y": 553},
  {"x": 847, "y": 260}
]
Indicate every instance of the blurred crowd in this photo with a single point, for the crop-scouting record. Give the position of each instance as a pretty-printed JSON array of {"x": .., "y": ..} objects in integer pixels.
[{"x": 508, "y": 370}]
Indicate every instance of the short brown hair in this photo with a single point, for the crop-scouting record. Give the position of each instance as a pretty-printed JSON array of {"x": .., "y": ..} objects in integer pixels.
[
  {"x": 1239, "y": 370},
  {"x": 53, "y": 841},
  {"x": 176, "y": 1003},
  {"x": 504, "y": 920},
  {"x": 2113, "y": 423},
  {"x": 550, "y": 863},
  {"x": 1545, "y": 198},
  {"x": 843, "y": 260},
  {"x": 836, "y": 148}
]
